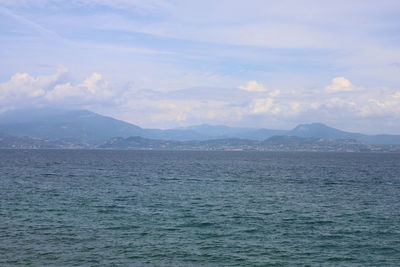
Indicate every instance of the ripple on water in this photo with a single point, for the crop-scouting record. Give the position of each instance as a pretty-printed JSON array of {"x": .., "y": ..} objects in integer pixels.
[{"x": 152, "y": 208}]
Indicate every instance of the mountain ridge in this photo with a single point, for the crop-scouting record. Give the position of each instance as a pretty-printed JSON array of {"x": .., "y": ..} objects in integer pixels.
[{"x": 90, "y": 127}]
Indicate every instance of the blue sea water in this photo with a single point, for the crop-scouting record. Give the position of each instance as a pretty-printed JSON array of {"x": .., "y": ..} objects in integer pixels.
[{"x": 182, "y": 208}]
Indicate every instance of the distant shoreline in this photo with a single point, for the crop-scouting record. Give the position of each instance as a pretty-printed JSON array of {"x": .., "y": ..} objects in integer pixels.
[{"x": 198, "y": 150}]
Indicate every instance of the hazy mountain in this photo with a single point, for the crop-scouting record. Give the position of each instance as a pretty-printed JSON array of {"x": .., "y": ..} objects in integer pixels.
[
  {"x": 261, "y": 134},
  {"x": 80, "y": 124},
  {"x": 222, "y": 131},
  {"x": 92, "y": 127},
  {"x": 319, "y": 130},
  {"x": 217, "y": 130},
  {"x": 89, "y": 127},
  {"x": 65, "y": 124},
  {"x": 275, "y": 143},
  {"x": 173, "y": 134}
]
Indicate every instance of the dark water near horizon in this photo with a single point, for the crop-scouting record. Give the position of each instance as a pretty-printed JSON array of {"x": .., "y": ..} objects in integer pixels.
[{"x": 135, "y": 208}]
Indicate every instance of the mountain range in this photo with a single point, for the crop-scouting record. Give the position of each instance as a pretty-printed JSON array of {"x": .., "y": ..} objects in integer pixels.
[{"x": 86, "y": 127}]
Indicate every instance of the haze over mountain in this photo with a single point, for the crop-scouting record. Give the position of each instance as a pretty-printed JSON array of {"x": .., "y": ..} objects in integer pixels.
[
  {"x": 87, "y": 126},
  {"x": 222, "y": 131},
  {"x": 319, "y": 130},
  {"x": 64, "y": 124},
  {"x": 79, "y": 124}
]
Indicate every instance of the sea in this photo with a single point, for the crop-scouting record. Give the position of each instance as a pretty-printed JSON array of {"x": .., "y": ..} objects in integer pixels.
[{"x": 198, "y": 208}]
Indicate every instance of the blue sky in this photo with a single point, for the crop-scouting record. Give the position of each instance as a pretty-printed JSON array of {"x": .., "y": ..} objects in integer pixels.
[{"x": 167, "y": 64}]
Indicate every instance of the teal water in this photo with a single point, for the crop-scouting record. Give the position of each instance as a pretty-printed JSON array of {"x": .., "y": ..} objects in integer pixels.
[{"x": 148, "y": 208}]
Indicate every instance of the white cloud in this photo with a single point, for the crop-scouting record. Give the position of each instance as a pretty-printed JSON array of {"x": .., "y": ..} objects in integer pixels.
[
  {"x": 22, "y": 86},
  {"x": 93, "y": 88},
  {"x": 152, "y": 108},
  {"x": 60, "y": 91},
  {"x": 26, "y": 90},
  {"x": 253, "y": 86},
  {"x": 376, "y": 107},
  {"x": 275, "y": 93},
  {"x": 341, "y": 84},
  {"x": 261, "y": 105}
]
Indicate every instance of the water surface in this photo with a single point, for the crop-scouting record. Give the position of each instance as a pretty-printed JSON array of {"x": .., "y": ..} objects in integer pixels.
[{"x": 160, "y": 208}]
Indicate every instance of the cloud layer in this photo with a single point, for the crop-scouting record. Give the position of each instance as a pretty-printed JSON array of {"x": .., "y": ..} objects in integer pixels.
[
  {"x": 253, "y": 86},
  {"x": 258, "y": 108},
  {"x": 341, "y": 84},
  {"x": 25, "y": 90},
  {"x": 172, "y": 63}
]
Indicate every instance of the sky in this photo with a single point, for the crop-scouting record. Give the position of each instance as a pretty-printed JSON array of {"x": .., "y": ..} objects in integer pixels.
[{"x": 167, "y": 64}]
